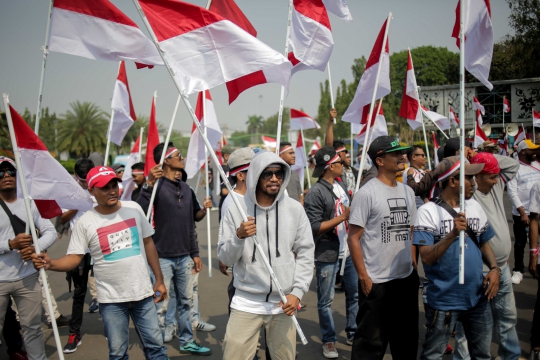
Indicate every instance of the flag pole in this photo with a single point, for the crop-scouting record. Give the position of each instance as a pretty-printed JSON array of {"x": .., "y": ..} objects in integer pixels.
[
  {"x": 373, "y": 99},
  {"x": 167, "y": 139},
  {"x": 332, "y": 91},
  {"x": 282, "y": 97},
  {"x": 206, "y": 175},
  {"x": 260, "y": 250},
  {"x": 45, "y": 49},
  {"x": 504, "y": 128},
  {"x": 109, "y": 132},
  {"x": 426, "y": 144},
  {"x": 462, "y": 137},
  {"x": 140, "y": 144},
  {"x": 307, "y": 165},
  {"x": 534, "y": 134},
  {"x": 30, "y": 217}
]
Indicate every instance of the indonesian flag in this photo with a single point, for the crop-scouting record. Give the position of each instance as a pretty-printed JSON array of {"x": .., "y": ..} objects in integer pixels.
[
  {"x": 301, "y": 161},
  {"x": 503, "y": 144},
  {"x": 536, "y": 118},
  {"x": 311, "y": 36},
  {"x": 480, "y": 136},
  {"x": 127, "y": 180},
  {"x": 316, "y": 146},
  {"x": 152, "y": 141},
  {"x": 410, "y": 102},
  {"x": 378, "y": 128},
  {"x": 478, "y": 33},
  {"x": 124, "y": 114},
  {"x": 435, "y": 148},
  {"x": 49, "y": 184},
  {"x": 521, "y": 135},
  {"x": 229, "y": 10},
  {"x": 98, "y": 30},
  {"x": 302, "y": 121},
  {"x": 195, "y": 157},
  {"x": 478, "y": 106},
  {"x": 506, "y": 105},
  {"x": 453, "y": 118},
  {"x": 269, "y": 142},
  {"x": 338, "y": 8},
  {"x": 440, "y": 120},
  {"x": 205, "y": 49},
  {"x": 366, "y": 87}
]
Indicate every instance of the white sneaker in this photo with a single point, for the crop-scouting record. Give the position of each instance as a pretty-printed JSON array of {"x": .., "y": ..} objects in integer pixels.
[
  {"x": 204, "y": 326},
  {"x": 329, "y": 350},
  {"x": 517, "y": 277},
  {"x": 169, "y": 333}
]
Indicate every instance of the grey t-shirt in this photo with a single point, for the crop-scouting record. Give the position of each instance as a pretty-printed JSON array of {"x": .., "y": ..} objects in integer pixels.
[
  {"x": 294, "y": 189},
  {"x": 386, "y": 214}
]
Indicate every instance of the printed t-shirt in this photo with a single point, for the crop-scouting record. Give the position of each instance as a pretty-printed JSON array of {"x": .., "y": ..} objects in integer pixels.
[{"x": 342, "y": 203}]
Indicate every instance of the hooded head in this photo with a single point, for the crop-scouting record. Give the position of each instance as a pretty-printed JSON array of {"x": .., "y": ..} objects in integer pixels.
[{"x": 258, "y": 164}]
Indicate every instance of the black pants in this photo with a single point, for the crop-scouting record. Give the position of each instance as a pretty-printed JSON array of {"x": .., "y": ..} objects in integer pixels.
[
  {"x": 389, "y": 314},
  {"x": 11, "y": 332},
  {"x": 80, "y": 284},
  {"x": 521, "y": 239}
]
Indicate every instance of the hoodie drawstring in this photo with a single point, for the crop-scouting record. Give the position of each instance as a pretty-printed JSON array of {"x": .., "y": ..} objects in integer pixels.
[
  {"x": 254, "y": 246},
  {"x": 277, "y": 227}
]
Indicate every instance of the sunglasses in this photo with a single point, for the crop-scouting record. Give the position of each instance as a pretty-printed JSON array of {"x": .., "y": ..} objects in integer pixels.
[
  {"x": 267, "y": 174},
  {"x": 11, "y": 173}
]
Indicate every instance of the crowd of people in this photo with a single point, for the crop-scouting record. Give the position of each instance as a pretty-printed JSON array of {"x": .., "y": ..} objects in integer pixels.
[{"x": 369, "y": 241}]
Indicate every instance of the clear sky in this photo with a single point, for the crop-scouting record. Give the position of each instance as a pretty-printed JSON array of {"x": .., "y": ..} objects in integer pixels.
[{"x": 70, "y": 78}]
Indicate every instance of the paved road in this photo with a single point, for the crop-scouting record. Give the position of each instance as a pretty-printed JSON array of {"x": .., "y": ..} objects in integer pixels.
[{"x": 213, "y": 306}]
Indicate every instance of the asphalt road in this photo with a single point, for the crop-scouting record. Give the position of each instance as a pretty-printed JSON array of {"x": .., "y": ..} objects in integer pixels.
[{"x": 213, "y": 307}]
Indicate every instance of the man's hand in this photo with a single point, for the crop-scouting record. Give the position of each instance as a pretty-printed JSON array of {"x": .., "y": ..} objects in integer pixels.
[
  {"x": 346, "y": 213},
  {"x": 197, "y": 264},
  {"x": 460, "y": 223},
  {"x": 491, "y": 280},
  {"x": 207, "y": 202},
  {"x": 20, "y": 241},
  {"x": 366, "y": 284},
  {"x": 223, "y": 268},
  {"x": 159, "y": 287},
  {"x": 410, "y": 171},
  {"x": 291, "y": 306},
  {"x": 41, "y": 260},
  {"x": 155, "y": 173},
  {"x": 247, "y": 228},
  {"x": 532, "y": 266},
  {"x": 525, "y": 218},
  {"x": 27, "y": 252},
  {"x": 333, "y": 114}
]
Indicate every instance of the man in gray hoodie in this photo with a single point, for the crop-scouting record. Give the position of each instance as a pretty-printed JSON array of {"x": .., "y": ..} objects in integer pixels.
[{"x": 283, "y": 230}]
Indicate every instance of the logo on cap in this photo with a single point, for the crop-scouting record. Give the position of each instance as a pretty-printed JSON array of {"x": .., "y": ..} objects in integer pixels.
[{"x": 326, "y": 157}]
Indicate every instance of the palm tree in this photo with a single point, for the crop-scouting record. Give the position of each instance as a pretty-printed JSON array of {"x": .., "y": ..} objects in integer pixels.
[
  {"x": 254, "y": 124},
  {"x": 83, "y": 129}
]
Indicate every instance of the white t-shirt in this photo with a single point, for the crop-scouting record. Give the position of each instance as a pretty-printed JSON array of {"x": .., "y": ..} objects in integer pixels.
[
  {"x": 116, "y": 245},
  {"x": 534, "y": 205},
  {"x": 418, "y": 174},
  {"x": 342, "y": 229}
]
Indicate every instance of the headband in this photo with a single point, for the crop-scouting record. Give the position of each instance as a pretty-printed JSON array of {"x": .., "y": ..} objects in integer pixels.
[
  {"x": 340, "y": 149},
  {"x": 137, "y": 173},
  {"x": 288, "y": 147},
  {"x": 331, "y": 161},
  {"x": 170, "y": 152},
  {"x": 238, "y": 169},
  {"x": 79, "y": 178}
]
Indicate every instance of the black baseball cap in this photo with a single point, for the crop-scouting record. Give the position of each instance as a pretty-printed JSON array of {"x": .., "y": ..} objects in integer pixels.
[
  {"x": 384, "y": 145},
  {"x": 324, "y": 156}
]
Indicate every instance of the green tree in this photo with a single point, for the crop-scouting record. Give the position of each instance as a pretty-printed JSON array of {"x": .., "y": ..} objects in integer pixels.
[
  {"x": 240, "y": 139},
  {"x": 269, "y": 126},
  {"x": 254, "y": 124}
]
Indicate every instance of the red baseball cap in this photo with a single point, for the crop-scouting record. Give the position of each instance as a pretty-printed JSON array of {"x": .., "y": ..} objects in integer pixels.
[
  {"x": 100, "y": 176},
  {"x": 491, "y": 165}
]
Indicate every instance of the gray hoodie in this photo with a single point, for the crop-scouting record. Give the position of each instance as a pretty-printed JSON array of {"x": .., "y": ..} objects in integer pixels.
[{"x": 283, "y": 231}]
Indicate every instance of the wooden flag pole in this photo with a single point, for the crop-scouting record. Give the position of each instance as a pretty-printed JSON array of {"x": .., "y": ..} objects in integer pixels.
[
  {"x": 206, "y": 175},
  {"x": 331, "y": 90},
  {"x": 462, "y": 138}
]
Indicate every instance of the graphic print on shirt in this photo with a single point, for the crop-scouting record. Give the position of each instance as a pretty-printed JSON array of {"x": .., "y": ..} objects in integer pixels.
[
  {"x": 119, "y": 241},
  {"x": 396, "y": 226}
]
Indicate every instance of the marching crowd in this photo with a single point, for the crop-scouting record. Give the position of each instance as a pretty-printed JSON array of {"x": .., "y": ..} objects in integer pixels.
[{"x": 369, "y": 241}]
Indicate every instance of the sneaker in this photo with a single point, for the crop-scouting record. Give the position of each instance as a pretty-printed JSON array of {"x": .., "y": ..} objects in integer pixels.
[
  {"x": 94, "y": 306},
  {"x": 73, "y": 341},
  {"x": 449, "y": 349},
  {"x": 169, "y": 334},
  {"x": 193, "y": 348},
  {"x": 534, "y": 355},
  {"x": 517, "y": 277},
  {"x": 61, "y": 321},
  {"x": 350, "y": 341},
  {"x": 329, "y": 351},
  {"x": 204, "y": 326},
  {"x": 19, "y": 355}
]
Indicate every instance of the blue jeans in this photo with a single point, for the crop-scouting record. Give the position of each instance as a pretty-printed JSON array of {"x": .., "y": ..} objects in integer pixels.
[
  {"x": 170, "y": 318},
  {"x": 178, "y": 271},
  {"x": 350, "y": 285},
  {"x": 477, "y": 325},
  {"x": 116, "y": 323},
  {"x": 503, "y": 309},
  {"x": 326, "y": 278}
]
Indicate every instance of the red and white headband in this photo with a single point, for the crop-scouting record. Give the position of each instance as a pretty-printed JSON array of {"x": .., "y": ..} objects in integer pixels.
[
  {"x": 340, "y": 149},
  {"x": 137, "y": 172},
  {"x": 286, "y": 148},
  {"x": 170, "y": 152},
  {"x": 332, "y": 160},
  {"x": 238, "y": 169}
]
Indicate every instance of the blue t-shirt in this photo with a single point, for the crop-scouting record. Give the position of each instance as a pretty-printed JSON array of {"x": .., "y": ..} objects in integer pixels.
[{"x": 444, "y": 292}]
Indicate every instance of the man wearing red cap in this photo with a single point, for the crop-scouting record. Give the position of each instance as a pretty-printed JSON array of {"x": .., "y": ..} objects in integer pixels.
[{"x": 120, "y": 242}]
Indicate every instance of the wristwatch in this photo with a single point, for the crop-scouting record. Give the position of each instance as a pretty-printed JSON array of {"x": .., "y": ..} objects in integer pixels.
[
  {"x": 497, "y": 270},
  {"x": 147, "y": 187}
]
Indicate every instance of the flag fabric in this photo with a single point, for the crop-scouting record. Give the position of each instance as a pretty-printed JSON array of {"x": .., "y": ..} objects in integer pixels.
[
  {"x": 366, "y": 87},
  {"x": 410, "y": 102},
  {"x": 127, "y": 180},
  {"x": 316, "y": 146},
  {"x": 195, "y": 157},
  {"x": 338, "y": 8},
  {"x": 301, "y": 120},
  {"x": 521, "y": 135},
  {"x": 229, "y": 10},
  {"x": 479, "y": 136},
  {"x": 506, "y": 105},
  {"x": 478, "y": 106},
  {"x": 152, "y": 141},
  {"x": 98, "y": 30},
  {"x": 435, "y": 148},
  {"x": 124, "y": 114},
  {"x": 453, "y": 118},
  {"x": 205, "y": 49},
  {"x": 536, "y": 118},
  {"x": 377, "y": 128},
  {"x": 441, "y": 120},
  {"x": 503, "y": 144},
  {"x": 478, "y": 33},
  {"x": 269, "y": 142},
  {"x": 301, "y": 161},
  {"x": 49, "y": 184}
]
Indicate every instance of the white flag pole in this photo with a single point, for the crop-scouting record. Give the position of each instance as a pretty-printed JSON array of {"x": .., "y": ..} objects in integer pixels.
[
  {"x": 462, "y": 138},
  {"x": 140, "y": 145},
  {"x": 332, "y": 90},
  {"x": 504, "y": 127},
  {"x": 534, "y": 134},
  {"x": 109, "y": 132},
  {"x": 167, "y": 139},
  {"x": 373, "y": 99},
  {"x": 45, "y": 49},
  {"x": 30, "y": 220},
  {"x": 308, "y": 175},
  {"x": 260, "y": 250},
  {"x": 282, "y": 97},
  {"x": 206, "y": 174},
  {"x": 426, "y": 144}
]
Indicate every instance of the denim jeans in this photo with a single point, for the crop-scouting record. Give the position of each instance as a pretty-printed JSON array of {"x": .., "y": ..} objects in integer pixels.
[
  {"x": 170, "y": 318},
  {"x": 503, "y": 310},
  {"x": 116, "y": 323},
  {"x": 178, "y": 271},
  {"x": 350, "y": 285},
  {"x": 477, "y": 325},
  {"x": 326, "y": 277}
]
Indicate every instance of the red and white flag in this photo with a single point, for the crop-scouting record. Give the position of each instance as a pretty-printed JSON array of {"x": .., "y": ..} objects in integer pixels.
[
  {"x": 316, "y": 146},
  {"x": 98, "y": 30},
  {"x": 269, "y": 142},
  {"x": 127, "y": 181},
  {"x": 480, "y": 136},
  {"x": 506, "y": 105},
  {"x": 435, "y": 148},
  {"x": 377, "y": 128},
  {"x": 195, "y": 158},
  {"x": 410, "y": 102},
  {"x": 503, "y": 144},
  {"x": 478, "y": 106},
  {"x": 366, "y": 87},
  {"x": 442, "y": 121},
  {"x": 478, "y": 33},
  {"x": 49, "y": 184},
  {"x": 152, "y": 141},
  {"x": 300, "y": 120},
  {"x": 338, "y": 8},
  {"x": 229, "y": 10},
  {"x": 124, "y": 114},
  {"x": 301, "y": 161},
  {"x": 521, "y": 135},
  {"x": 205, "y": 49},
  {"x": 453, "y": 118},
  {"x": 536, "y": 118}
]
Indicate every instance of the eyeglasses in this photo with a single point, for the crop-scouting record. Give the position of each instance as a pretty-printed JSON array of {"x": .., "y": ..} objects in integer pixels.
[
  {"x": 179, "y": 157},
  {"x": 119, "y": 171},
  {"x": 267, "y": 174},
  {"x": 11, "y": 173}
]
